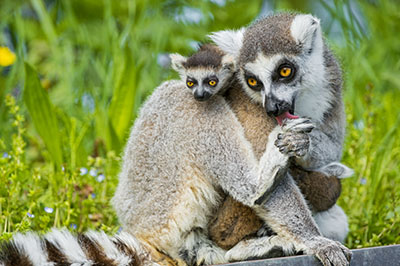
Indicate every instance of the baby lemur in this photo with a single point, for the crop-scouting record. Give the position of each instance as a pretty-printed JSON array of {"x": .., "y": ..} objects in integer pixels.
[
  {"x": 207, "y": 72},
  {"x": 211, "y": 71}
]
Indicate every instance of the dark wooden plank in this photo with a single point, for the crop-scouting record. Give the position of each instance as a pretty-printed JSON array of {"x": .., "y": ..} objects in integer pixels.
[{"x": 385, "y": 255}]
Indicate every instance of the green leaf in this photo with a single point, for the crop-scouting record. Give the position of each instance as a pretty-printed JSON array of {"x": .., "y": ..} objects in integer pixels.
[
  {"x": 123, "y": 100},
  {"x": 43, "y": 114}
]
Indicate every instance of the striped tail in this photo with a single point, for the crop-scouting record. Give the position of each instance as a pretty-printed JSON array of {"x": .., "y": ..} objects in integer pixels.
[{"x": 60, "y": 247}]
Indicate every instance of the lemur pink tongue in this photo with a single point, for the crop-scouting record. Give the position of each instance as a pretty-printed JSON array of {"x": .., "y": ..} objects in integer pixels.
[{"x": 285, "y": 115}]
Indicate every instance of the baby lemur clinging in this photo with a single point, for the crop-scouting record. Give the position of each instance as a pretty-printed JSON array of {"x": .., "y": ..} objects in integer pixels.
[
  {"x": 210, "y": 71},
  {"x": 207, "y": 72}
]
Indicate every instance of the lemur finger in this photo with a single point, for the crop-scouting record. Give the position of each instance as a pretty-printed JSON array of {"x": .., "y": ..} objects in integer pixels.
[
  {"x": 294, "y": 139},
  {"x": 347, "y": 252},
  {"x": 293, "y": 147},
  {"x": 336, "y": 255},
  {"x": 303, "y": 125},
  {"x": 292, "y": 136},
  {"x": 297, "y": 153},
  {"x": 300, "y": 153},
  {"x": 323, "y": 258},
  {"x": 303, "y": 128},
  {"x": 289, "y": 124}
]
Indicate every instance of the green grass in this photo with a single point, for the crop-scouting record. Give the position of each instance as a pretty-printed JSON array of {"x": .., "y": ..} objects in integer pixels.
[{"x": 84, "y": 67}]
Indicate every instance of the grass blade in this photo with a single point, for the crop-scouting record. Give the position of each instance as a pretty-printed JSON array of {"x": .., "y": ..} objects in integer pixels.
[{"x": 43, "y": 114}]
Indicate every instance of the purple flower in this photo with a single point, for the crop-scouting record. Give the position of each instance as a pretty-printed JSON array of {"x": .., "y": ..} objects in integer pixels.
[
  {"x": 73, "y": 226},
  {"x": 83, "y": 171},
  {"x": 100, "y": 178},
  {"x": 93, "y": 172},
  {"x": 30, "y": 215},
  {"x": 93, "y": 195},
  {"x": 359, "y": 125},
  {"x": 363, "y": 181},
  {"x": 5, "y": 155},
  {"x": 119, "y": 230},
  {"x": 48, "y": 209}
]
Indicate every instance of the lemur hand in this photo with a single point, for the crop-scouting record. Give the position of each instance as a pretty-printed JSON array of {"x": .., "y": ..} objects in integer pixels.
[
  {"x": 329, "y": 252},
  {"x": 295, "y": 140}
]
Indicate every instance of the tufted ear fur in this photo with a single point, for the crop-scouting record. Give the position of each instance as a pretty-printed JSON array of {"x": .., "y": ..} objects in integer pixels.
[
  {"x": 336, "y": 169},
  {"x": 177, "y": 62},
  {"x": 229, "y": 41},
  {"x": 306, "y": 30},
  {"x": 228, "y": 62}
]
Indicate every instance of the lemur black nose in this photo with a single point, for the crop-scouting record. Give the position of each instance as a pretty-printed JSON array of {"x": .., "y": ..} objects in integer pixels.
[
  {"x": 201, "y": 95},
  {"x": 275, "y": 107}
]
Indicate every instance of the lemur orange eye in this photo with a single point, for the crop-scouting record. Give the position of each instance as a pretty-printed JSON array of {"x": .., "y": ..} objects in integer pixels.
[
  {"x": 252, "y": 82},
  {"x": 285, "y": 72},
  {"x": 212, "y": 83},
  {"x": 190, "y": 84}
]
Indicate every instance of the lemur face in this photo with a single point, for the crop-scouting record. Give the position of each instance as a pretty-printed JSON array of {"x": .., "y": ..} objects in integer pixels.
[
  {"x": 274, "y": 81},
  {"x": 205, "y": 73},
  {"x": 280, "y": 57},
  {"x": 205, "y": 82}
]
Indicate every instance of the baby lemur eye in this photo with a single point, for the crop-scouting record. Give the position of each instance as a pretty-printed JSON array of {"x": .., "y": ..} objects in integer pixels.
[
  {"x": 212, "y": 83},
  {"x": 190, "y": 82}
]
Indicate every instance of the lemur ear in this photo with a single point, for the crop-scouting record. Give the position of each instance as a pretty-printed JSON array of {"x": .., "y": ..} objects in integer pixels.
[
  {"x": 177, "y": 62},
  {"x": 306, "y": 30},
  {"x": 336, "y": 169},
  {"x": 228, "y": 62},
  {"x": 229, "y": 41}
]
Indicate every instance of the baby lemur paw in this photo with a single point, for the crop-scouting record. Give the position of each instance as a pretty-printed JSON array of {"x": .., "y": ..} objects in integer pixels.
[
  {"x": 210, "y": 255},
  {"x": 294, "y": 139},
  {"x": 331, "y": 253}
]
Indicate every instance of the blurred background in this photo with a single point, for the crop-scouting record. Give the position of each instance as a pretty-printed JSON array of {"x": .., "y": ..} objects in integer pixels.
[{"x": 73, "y": 75}]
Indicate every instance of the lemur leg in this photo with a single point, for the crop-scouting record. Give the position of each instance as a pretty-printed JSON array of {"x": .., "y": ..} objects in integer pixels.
[
  {"x": 260, "y": 248},
  {"x": 286, "y": 212},
  {"x": 197, "y": 249},
  {"x": 332, "y": 223}
]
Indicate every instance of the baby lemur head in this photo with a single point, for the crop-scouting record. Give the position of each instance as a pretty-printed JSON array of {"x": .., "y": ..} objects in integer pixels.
[{"x": 207, "y": 72}]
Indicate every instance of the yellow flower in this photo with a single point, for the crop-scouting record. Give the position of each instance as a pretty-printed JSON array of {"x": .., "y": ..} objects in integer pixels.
[{"x": 7, "y": 57}]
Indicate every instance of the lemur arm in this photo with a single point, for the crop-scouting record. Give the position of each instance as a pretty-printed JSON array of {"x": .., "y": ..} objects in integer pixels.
[
  {"x": 226, "y": 157},
  {"x": 265, "y": 186},
  {"x": 287, "y": 214},
  {"x": 234, "y": 167},
  {"x": 326, "y": 140}
]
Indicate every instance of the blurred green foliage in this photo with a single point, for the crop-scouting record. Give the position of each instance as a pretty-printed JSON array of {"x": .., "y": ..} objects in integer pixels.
[{"x": 84, "y": 67}]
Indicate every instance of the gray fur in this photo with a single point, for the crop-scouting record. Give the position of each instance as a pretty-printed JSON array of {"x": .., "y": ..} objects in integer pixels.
[
  {"x": 315, "y": 90},
  {"x": 179, "y": 156},
  {"x": 209, "y": 63},
  {"x": 181, "y": 152},
  {"x": 179, "y": 144},
  {"x": 269, "y": 35}
]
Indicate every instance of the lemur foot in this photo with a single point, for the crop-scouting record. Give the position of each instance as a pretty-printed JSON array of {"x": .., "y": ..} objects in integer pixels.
[
  {"x": 210, "y": 255},
  {"x": 330, "y": 253},
  {"x": 294, "y": 140}
]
